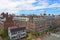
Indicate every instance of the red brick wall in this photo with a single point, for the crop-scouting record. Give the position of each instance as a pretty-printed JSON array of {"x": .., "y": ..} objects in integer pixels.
[{"x": 9, "y": 22}]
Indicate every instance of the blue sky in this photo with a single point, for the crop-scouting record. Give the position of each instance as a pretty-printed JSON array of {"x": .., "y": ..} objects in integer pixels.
[
  {"x": 30, "y": 6},
  {"x": 41, "y": 11}
]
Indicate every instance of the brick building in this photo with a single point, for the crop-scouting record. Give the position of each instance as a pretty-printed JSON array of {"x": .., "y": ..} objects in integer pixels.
[
  {"x": 57, "y": 17},
  {"x": 8, "y": 22},
  {"x": 20, "y": 21},
  {"x": 33, "y": 23}
]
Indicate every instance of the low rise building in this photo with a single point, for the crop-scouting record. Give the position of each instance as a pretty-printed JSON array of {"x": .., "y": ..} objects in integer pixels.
[{"x": 17, "y": 32}]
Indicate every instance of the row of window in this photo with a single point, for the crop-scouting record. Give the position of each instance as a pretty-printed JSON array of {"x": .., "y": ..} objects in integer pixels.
[
  {"x": 19, "y": 36},
  {"x": 17, "y": 32}
]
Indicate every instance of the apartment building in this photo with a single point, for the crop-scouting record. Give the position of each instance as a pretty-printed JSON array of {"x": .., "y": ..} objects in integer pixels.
[
  {"x": 16, "y": 33},
  {"x": 57, "y": 17},
  {"x": 50, "y": 20},
  {"x": 34, "y": 23},
  {"x": 20, "y": 20},
  {"x": 31, "y": 22}
]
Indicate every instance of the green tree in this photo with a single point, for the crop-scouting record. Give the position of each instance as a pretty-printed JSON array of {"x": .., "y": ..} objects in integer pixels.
[{"x": 4, "y": 34}]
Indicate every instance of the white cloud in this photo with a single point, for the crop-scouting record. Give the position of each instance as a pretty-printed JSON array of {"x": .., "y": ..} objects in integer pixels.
[
  {"x": 54, "y": 5},
  {"x": 13, "y": 6}
]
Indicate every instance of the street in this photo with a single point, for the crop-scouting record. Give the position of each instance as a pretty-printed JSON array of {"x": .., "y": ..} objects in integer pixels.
[{"x": 53, "y": 36}]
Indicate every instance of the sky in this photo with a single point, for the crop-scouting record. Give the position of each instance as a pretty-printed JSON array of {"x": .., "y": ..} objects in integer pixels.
[{"x": 30, "y": 6}]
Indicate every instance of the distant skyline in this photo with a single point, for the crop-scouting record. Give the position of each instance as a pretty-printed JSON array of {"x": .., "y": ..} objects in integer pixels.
[{"x": 30, "y": 6}]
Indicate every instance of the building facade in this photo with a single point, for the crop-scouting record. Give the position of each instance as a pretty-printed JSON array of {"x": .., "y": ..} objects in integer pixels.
[
  {"x": 36, "y": 23},
  {"x": 16, "y": 33},
  {"x": 33, "y": 23}
]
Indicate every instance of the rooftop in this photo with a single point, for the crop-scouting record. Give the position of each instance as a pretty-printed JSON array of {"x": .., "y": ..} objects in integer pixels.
[{"x": 15, "y": 29}]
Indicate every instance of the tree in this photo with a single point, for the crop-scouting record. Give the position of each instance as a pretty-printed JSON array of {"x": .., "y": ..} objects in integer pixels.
[{"x": 4, "y": 34}]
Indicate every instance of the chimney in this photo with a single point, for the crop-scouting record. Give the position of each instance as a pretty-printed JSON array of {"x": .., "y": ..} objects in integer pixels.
[
  {"x": 2, "y": 14},
  {"x": 7, "y": 13},
  {"x": 49, "y": 14},
  {"x": 44, "y": 13}
]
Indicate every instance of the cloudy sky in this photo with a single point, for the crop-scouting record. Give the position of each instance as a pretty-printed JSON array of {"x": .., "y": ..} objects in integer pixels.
[{"x": 30, "y": 6}]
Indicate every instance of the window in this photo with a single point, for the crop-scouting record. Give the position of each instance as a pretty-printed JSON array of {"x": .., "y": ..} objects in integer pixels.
[
  {"x": 18, "y": 31},
  {"x": 19, "y": 36},
  {"x": 14, "y": 37},
  {"x": 23, "y": 34},
  {"x": 13, "y": 33}
]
